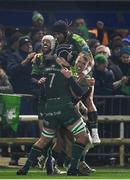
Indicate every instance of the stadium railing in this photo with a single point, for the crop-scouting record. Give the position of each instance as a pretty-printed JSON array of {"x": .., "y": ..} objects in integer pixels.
[{"x": 121, "y": 141}]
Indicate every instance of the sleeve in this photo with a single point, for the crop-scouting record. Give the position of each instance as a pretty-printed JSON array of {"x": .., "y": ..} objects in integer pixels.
[
  {"x": 35, "y": 70},
  {"x": 14, "y": 66},
  {"x": 75, "y": 88}
]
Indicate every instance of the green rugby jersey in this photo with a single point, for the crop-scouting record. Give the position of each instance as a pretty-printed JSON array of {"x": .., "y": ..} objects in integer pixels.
[
  {"x": 75, "y": 44},
  {"x": 83, "y": 82},
  {"x": 56, "y": 85},
  {"x": 38, "y": 66}
]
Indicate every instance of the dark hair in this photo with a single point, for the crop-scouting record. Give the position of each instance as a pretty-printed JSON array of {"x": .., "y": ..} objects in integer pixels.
[
  {"x": 60, "y": 26},
  {"x": 23, "y": 40}
]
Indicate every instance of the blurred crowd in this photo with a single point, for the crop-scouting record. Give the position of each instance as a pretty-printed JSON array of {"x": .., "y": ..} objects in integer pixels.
[{"x": 111, "y": 69}]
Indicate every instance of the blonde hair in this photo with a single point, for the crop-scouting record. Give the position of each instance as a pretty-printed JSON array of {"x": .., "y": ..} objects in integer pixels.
[
  {"x": 85, "y": 56},
  {"x": 88, "y": 58}
]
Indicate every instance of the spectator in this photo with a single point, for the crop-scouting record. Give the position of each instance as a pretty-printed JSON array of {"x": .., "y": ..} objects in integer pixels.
[
  {"x": 126, "y": 41},
  {"x": 100, "y": 33},
  {"x": 104, "y": 77},
  {"x": 19, "y": 67},
  {"x": 119, "y": 79},
  {"x": 103, "y": 50},
  {"x": 37, "y": 20},
  {"x": 80, "y": 27},
  {"x": 12, "y": 46},
  {"x": 36, "y": 36},
  {"x": 115, "y": 46},
  {"x": 114, "y": 59},
  {"x": 93, "y": 44},
  {"x": 122, "y": 32},
  {"x": 125, "y": 68}
]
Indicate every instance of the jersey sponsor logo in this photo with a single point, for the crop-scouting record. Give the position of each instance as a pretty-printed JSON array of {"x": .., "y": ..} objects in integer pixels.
[
  {"x": 53, "y": 113},
  {"x": 52, "y": 69},
  {"x": 55, "y": 98}
]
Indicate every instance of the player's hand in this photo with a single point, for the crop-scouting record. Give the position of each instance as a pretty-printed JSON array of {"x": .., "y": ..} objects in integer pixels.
[
  {"x": 90, "y": 82},
  {"x": 41, "y": 81},
  {"x": 124, "y": 79},
  {"x": 62, "y": 62},
  {"x": 28, "y": 58},
  {"x": 35, "y": 58},
  {"x": 66, "y": 72},
  {"x": 81, "y": 77}
]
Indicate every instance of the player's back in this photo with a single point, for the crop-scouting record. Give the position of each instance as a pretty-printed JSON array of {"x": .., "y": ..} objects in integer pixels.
[{"x": 56, "y": 84}]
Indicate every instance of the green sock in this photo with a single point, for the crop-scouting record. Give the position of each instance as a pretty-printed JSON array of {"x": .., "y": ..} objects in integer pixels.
[
  {"x": 46, "y": 150},
  {"x": 32, "y": 158},
  {"x": 55, "y": 154},
  {"x": 83, "y": 157},
  {"x": 77, "y": 150}
]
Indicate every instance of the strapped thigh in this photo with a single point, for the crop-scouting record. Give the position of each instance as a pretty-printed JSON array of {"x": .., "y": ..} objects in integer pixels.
[
  {"x": 80, "y": 126},
  {"x": 50, "y": 133}
]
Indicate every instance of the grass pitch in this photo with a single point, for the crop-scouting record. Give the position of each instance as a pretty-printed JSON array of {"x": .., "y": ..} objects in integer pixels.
[{"x": 101, "y": 173}]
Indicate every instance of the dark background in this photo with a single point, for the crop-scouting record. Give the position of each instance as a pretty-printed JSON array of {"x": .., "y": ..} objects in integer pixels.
[{"x": 115, "y": 14}]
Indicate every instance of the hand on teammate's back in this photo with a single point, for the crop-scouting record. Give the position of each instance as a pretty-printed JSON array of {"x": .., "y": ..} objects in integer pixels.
[
  {"x": 66, "y": 72},
  {"x": 42, "y": 81}
]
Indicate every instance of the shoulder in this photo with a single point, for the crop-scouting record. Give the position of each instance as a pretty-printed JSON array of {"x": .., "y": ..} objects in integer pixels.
[
  {"x": 109, "y": 73},
  {"x": 16, "y": 55},
  {"x": 78, "y": 39}
]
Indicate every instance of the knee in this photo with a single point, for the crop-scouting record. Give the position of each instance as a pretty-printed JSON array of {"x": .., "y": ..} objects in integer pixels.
[
  {"x": 90, "y": 105},
  {"x": 42, "y": 142},
  {"x": 82, "y": 138},
  {"x": 89, "y": 100}
]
